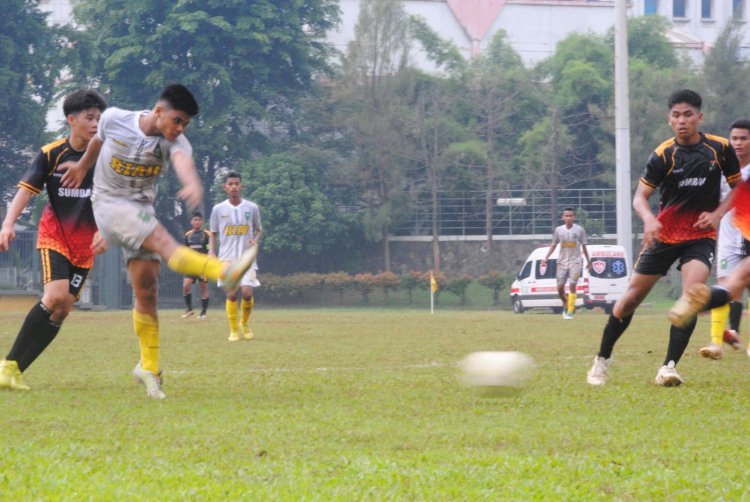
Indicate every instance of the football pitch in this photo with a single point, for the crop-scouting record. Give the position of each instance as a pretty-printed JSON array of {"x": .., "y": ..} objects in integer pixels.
[{"x": 364, "y": 404}]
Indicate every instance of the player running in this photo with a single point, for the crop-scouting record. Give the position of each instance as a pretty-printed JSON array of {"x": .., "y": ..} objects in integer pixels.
[{"x": 65, "y": 236}]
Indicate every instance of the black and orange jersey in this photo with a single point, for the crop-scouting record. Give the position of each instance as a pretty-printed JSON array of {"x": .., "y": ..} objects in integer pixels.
[
  {"x": 67, "y": 224},
  {"x": 197, "y": 240},
  {"x": 689, "y": 178}
]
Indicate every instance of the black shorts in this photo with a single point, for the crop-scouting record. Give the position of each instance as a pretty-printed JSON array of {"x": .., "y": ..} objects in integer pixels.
[
  {"x": 196, "y": 279},
  {"x": 659, "y": 257},
  {"x": 56, "y": 267}
]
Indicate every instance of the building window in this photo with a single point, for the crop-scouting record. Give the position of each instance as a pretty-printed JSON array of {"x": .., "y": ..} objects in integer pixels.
[
  {"x": 652, "y": 7},
  {"x": 679, "y": 8},
  {"x": 706, "y": 9},
  {"x": 738, "y": 9}
]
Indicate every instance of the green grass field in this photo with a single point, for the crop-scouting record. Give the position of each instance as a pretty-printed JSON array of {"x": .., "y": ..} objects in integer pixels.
[{"x": 364, "y": 404}]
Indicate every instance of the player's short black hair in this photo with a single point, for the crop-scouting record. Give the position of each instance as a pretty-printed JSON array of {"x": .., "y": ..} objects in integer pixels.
[
  {"x": 180, "y": 98},
  {"x": 197, "y": 214},
  {"x": 83, "y": 99},
  {"x": 232, "y": 174},
  {"x": 571, "y": 209},
  {"x": 741, "y": 124},
  {"x": 692, "y": 98}
]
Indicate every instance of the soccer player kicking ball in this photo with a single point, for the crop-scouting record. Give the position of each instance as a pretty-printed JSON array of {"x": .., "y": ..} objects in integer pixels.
[
  {"x": 236, "y": 222},
  {"x": 131, "y": 150},
  {"x": 65, "y": 237}
]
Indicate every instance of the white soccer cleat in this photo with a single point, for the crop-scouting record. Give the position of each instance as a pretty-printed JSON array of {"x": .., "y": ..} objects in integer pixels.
[
  {"x": 232, "y": 275},
  {"x": 711, "y": 351},
  {"x": 566, "y": 315},
  {"x": 732, "y": 338},
  {"x": 599, "y": 372},
  {"x": 151, "y": 382},
  {"x": 667, "y": 376},
  {"x": 692, "y": 302},
  {"x": 188, "y": 313}
]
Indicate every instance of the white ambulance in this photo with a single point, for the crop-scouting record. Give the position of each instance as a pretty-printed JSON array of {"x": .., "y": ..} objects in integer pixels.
[{"x": 536, "y": 285}]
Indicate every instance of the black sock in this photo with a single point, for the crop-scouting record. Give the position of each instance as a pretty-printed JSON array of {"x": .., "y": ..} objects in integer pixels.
[
  {"x": 612, "y": 331},
  {"x": 678, "y": 341},
  {"x": 189, "y": 301},
  {"x": 719, "y": 297},
  {"x": 735, "y": 315},
  {"x": 204, "y": 305},
  {"x": 36, "y": 333}
]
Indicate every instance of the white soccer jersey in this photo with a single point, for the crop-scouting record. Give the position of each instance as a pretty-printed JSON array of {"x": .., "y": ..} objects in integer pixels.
[
  {"x": 570, "y": 240},
  {"x": 234, "y": 227},
  {"x": 130, "y": 162}
]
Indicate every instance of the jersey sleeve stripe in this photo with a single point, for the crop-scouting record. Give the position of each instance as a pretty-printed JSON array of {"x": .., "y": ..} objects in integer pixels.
[
  {"x": 650, "y": 185},
  {"x": 28, "y": 187}
]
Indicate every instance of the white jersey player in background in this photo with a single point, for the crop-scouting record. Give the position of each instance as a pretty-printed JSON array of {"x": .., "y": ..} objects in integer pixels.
[
  {"x": 572, "y": 239},
  {"x": 236, "y": 222},
  {"x": 731, "y": 248},
  {"x": 131, "y": 149}
]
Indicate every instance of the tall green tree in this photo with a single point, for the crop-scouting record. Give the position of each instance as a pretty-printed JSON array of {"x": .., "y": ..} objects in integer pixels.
[
  {"x": 29, "y": 64},
  {"x": 247, "y": 61}
]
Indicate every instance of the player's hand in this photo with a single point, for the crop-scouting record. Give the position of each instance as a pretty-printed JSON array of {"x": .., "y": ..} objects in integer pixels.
[
  {"x": 98, "y": 244},
  {"x": 7, "y": 235},
  {"x": 651, "y": 231},
  {"x": 544, "y": 261},
  {"x": 708, "y": 220},
  {"x": 72, "y": 176},
  {"x": 192, "y": 195}
]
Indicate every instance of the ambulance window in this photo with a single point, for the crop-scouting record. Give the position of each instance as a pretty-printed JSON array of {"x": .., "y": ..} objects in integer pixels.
[
  {"x": 549, "y": 271},
  {"x": 608, "y": 268},
  {"x": 525, "y": 271}
]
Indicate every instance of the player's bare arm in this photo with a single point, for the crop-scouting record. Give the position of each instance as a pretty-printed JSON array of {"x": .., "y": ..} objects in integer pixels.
[
  {"x": 75, "y": 172},
  {"x": 256, "y": 238},
  {"x": 192, "y": 189},
  {"x": 651, "y": 225},
  {"x": 212, "y": 244},
  {"x": 8, "y": 233},
  {"x": 586, "y": 254},
  {"x": 98, "y": 244}
]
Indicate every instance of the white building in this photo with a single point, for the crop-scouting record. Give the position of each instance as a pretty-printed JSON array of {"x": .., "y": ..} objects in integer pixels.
[{"x": 535, "y": 27}]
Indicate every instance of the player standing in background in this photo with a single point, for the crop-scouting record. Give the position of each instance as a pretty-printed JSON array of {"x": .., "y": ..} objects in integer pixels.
[
  {"x": 730, "y": 251},
  {"x": 65, "y": 236},
  {"x": 572, "y": 239},
  {"x": 687, "y": 169},
  {"x": 237, "y": 224},
  {"x": 131, "y": 149},
  {"x": 197, "y": 239}
]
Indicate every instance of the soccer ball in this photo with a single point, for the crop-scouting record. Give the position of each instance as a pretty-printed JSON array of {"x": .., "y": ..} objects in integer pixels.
[{"x": 496, "y": 369}]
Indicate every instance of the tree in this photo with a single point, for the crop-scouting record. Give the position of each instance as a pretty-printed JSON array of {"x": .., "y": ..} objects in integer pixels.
[
  {"x": 247, "y": 61},
  {"x": 29, "y": 65}
]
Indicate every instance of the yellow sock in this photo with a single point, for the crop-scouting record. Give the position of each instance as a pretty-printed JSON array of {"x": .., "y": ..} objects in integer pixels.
[
  {"x": 232, "y": 316},
  {"x": 185, "y": 261},
  {"x": 571, "y": 302},
  {"x": 147, "y": 330},
  {"x": 719, "y": 317},
  {"x": 247, "y": 309}
]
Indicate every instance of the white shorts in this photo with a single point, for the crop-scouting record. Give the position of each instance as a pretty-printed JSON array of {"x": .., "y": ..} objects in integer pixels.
[
  {"x": 126, "y": 224},
  {"x": 249, "y": 279},
  {"x": 570, "y": 274},
  {"x": 727, "y": 262}
]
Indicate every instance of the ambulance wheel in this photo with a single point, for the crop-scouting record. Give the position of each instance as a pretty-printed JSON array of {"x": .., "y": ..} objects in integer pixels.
[{"x": 518, "y": 305}]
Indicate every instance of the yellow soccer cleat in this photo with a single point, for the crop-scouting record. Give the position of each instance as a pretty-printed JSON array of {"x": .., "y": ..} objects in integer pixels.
[
  {"x": 234, "y": 336},
  {"x": 247, "y": 333},
  {"x": 11, "y": 377}
]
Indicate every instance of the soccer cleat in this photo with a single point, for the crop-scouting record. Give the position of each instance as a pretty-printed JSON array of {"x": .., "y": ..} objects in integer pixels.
[
  {"x": 693, "y": 301},
  {"x": 151, "y": 382},
  {"x": 234, "y": 336},
  {"x": 232, "y": 274},
  {"x": 732, "y": 338},
  {"x": 711, "y": 351},
  {"x": 247, "y": 333},
  {"x": 667, "y": 376},
  {"x": 566, "y": 316},
  {"x": 599, "y": 372},
  {"x": 202, "y": 317},
  {"x": 188, "y": 313},
  {"x": 11, "y": 377}
]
